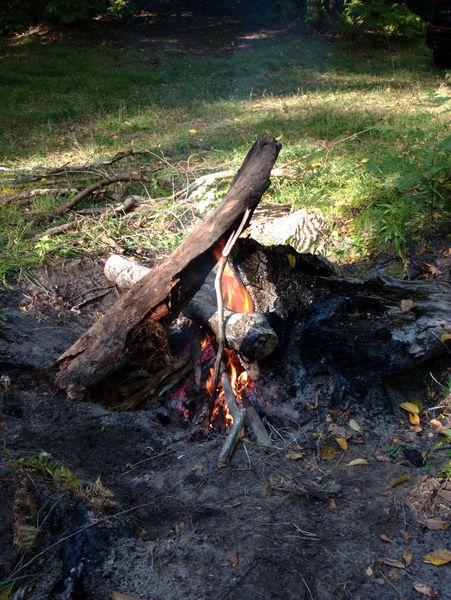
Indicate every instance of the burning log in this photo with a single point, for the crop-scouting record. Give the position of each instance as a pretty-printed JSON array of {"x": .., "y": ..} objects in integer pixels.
[
  {"x": 239, "y": 414},
  {"x": 132, "y": 335},
  {"x": 248, "y": 334}
]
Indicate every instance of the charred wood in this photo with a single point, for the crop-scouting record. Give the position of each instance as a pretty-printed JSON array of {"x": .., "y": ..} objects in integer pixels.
[{"x": 134, "y": 332}]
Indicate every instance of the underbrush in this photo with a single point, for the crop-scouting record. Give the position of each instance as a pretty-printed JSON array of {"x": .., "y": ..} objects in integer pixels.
[{"x": 363, "y": 132}]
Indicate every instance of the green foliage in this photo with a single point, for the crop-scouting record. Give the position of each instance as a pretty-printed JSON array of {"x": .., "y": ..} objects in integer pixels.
[
  {"x": 382, "y": 17},
  {"x": 46, "y": 465},
  {"x": 413, "y": 199},
  {"x": 69, "y": 11}
]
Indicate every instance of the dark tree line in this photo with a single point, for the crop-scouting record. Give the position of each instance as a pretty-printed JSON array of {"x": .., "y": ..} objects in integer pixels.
[{"x": 18, "y": 14}]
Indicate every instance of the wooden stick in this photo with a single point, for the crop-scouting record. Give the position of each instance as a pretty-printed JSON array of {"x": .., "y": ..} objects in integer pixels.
[
  {"x": 238, "y": 414},
  {"x": 121, "y": 177},
  {"x": 218, "y": 287},
  {"x": 39, "y": 192},
  {"x": 67, "y": 169}
]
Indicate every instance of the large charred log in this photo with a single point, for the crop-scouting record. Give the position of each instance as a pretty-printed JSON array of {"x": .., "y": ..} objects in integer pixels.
[
  {"x": 131, "y": 337},
  {"x": 339, "y": 337}
]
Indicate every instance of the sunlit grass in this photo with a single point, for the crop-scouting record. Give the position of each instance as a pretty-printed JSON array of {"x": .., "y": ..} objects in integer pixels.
[{"x": 351, "y": 123}]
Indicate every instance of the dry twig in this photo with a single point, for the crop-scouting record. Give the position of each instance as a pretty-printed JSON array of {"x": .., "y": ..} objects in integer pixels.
[{"x": 218, "y": 287}]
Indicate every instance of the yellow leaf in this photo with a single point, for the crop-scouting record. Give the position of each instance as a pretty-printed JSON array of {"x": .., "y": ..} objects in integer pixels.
[
  {"x": 357, "y": 461},
  {"x": 342, "y": 442},
  {"x": 398, "y": 480},
  {"x": 407, "y": 557},
  {"x": 445, "y": 337},
  {"x": 315, "y": 165},
  {"x": 43, "y": 179},
  {"x": 6, "y": 592},
  {"x": 193, "y": 131},
  {"x": 410, "y": 407},
  {"x": 364, "y": 160},
  {"x": 291, "y": 260},
  {"x": 354, "y": 425},
  {"x": 438, "y": 557},
  {"x": 327, "y": 453},
  {"x": 414, "y": 419}
]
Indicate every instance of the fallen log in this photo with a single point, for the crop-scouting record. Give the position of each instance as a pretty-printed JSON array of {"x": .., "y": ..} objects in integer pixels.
[
  {"x": 247, "y": 334},
  {"x": 132, "y": 335}
]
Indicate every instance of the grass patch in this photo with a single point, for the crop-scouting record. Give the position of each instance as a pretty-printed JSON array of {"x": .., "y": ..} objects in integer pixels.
[{"x": 364, "y": 129}]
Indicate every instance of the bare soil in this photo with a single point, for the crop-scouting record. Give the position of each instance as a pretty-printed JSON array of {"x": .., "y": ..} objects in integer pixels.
[{"x": 281, "y": 523}]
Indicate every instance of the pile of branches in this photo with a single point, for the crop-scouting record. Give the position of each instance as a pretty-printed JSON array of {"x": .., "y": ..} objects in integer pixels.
[{"x": 77, "y": 183}]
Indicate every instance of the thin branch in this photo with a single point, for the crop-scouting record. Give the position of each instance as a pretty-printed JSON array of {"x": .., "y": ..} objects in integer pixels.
[
  {"x": 67, "y": 169},
  {"x": 121, "y": 177},
  {"x": 40, "y": 192},
  {"x": 55, "y": 230},
  {"x": 218, "y": 287},
  {"x": 238, "y": 413}
]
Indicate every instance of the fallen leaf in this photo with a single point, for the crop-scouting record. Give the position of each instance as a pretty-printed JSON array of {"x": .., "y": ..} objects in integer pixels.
[
  {"x": 120, "y": 596},
  {"x": 333, "y": 506},
  {"x": 6, "y": 592},
  {"x": 426, "y": 590},
  {"x": 399, "y": 480},
  {"x": 390, "y": 562},
  {"x": 234, "y": 558},
  {"x": 354, "y": 425},
  {"x": 385, "y": 538},
  {"x": 294, "y": 455},
  {"x": 414, "y": 419},
  {"x": 405, "y": 535},
  {"x": 342, "y": 442},
  {"x": 436, "y": 424},
  {"x": 407, "y": 557},
  {"x": 445, "y": 337},
  {"x": 410, "y": 407},
  {"x": 369, "y": 571},
  {"x": 407, "y": 305},
  {"x": 357, "y": 461},
  {"x": 291, "y": 260},
  {"x": 434, "y": 524},
  {"x": 381, "y": 458},
  {"x": 327, "y": 453},
  {"x": 179, "y": 527},
  {"x": 337, "y": 430},
  {"x": 197, "y": 468},
  {"x": 438, "y": 557}
]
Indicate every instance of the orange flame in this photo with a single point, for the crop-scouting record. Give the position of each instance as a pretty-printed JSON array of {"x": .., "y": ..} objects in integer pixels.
[
  {"x": 235, "y": 295},
  {"x": 236, "y": 298}
]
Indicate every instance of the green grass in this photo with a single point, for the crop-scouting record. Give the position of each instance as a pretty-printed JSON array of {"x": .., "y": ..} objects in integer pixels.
[{"x": 361, "y": 128}]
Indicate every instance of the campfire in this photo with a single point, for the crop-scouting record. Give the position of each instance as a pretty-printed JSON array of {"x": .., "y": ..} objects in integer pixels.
[{"x": 268, "y": 328}]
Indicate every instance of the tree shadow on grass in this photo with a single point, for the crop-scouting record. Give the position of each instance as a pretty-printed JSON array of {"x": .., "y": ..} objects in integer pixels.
[{"x": 106, "y": 95}]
